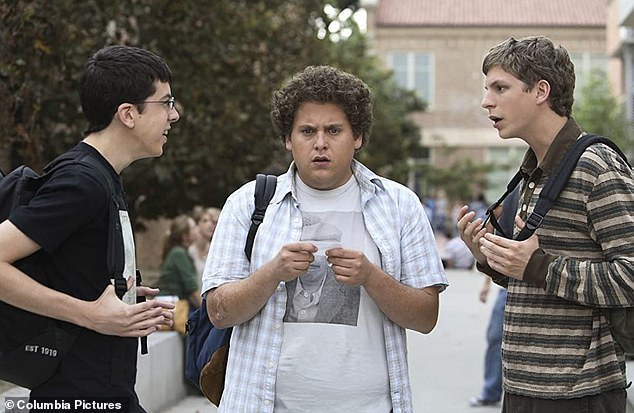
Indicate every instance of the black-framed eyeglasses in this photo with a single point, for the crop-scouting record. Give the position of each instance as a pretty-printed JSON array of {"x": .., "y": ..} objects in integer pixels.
[{"x": 169, "y": 102}]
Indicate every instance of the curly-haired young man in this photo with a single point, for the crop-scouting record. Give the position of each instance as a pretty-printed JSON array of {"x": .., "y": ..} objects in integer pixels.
[
  {"x": 343, "y": 263},
  {"x": 557, "y": 349}
]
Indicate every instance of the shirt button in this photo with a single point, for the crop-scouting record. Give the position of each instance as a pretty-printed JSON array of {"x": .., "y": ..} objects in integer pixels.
[
  {"x": 524, "y": 207},
  {"x": 531, "y": 185},
  {"x": 267, "y": 402}
]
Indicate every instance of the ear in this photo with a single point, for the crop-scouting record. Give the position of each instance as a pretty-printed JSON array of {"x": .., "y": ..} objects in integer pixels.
[
  {"x": 288, "y": 144},
  {"x": 126, "y": 114},
  {"x": 542, "y": 91},
  {"x": 358, "y": 141}
]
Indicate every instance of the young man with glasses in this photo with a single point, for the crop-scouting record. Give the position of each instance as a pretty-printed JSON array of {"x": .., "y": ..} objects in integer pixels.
[
  {"x": 557, "y": 349},
  {"x": 126, "y": 98}
]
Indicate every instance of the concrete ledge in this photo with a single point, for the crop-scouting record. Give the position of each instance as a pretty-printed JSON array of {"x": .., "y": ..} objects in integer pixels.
[
  {"x": 160, "y": 374},
  {"x": 14, "y": 392}
]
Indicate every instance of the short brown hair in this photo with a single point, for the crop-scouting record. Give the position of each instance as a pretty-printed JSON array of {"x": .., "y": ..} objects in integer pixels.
[{"x": 532, "y": 59}]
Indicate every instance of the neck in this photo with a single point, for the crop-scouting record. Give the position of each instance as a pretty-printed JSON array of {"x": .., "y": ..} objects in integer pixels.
[
  {"x": 544, "y": 134},
  {"x": 109, "y": 147}
]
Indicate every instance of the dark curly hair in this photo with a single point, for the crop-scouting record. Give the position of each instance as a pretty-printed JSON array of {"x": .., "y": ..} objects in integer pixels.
[
  {"x": 532, "y": 59},
  {"x": 323, "y": 84}
]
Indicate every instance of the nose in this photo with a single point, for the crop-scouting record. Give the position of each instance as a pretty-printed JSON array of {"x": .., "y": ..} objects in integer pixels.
[
  {"x": 320, "y": 140},
  {"x": 486, "y": 101},
  {"x": 174, "y": 116}
]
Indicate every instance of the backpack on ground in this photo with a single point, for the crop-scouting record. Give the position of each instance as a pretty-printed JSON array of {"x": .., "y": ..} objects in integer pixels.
[
  {"x": 621, "y": 320},
  {"x": 32, "y": 346},
  {"x": 207, "y": 346}
]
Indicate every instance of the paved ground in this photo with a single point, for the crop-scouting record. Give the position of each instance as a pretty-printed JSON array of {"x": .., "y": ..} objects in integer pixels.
[{"x": 446, "y": 365}]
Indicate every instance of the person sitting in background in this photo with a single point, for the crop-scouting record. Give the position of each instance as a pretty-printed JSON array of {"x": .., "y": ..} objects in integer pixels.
[
  {"x": 178, "y": 274},
  {"x": 456, "y": 254},
  {"x": 206, "y": 220}
]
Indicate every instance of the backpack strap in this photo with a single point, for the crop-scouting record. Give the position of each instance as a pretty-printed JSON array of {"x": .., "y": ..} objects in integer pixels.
[
  {"x": 264, "y": 191},
  {"x": 558, "y": 180},
  {"x": 511, "y": 189},
  {"x": 141, "y": 299},
  {"x": 116, "y": 254},
  {"x": 509, "y": 210},
  {"x": 116, "y": 262}
]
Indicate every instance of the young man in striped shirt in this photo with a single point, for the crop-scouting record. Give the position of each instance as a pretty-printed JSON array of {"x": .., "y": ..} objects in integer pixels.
[{"x": 558, "y": 352}]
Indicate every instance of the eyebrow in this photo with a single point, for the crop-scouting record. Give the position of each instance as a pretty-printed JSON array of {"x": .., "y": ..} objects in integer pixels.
[{"x": 495, "y": 83}]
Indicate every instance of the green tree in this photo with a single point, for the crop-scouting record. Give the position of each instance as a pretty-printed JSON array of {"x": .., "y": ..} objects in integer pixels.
[
  {"x": 598, "y": 111},
  {"x": 395, "y": 137},
  {"x": 227, "y": 58},
  {"x": 395, "y": 147}
]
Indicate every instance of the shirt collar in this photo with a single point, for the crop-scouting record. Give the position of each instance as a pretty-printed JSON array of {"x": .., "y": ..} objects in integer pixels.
[
  {"x": 368, "y": 181},
  {"x": 556, "y": 152}
]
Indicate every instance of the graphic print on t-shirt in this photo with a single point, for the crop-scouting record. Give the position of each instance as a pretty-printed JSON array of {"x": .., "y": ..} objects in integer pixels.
[{"x": 316, "y": 296}]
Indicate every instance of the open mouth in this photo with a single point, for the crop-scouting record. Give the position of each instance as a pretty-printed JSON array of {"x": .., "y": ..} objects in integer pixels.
[
  {"x": 496, "y": 120},
  {"x": 321, "y": 160}
]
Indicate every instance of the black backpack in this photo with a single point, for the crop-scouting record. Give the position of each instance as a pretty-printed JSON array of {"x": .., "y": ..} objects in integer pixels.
[
  {"x": 207, "y": 346},
  {"x": 32, "y": 346},
  {"x": 621, "y": 319}
]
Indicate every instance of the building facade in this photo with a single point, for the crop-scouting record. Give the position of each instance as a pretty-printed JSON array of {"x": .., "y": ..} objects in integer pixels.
[
  {"x": 620, "y": 34},
  {"x": 436, "y": 48}
]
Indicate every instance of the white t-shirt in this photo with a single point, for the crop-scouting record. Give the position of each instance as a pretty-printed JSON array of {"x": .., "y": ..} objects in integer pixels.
[{"x": 333, "y": 352}]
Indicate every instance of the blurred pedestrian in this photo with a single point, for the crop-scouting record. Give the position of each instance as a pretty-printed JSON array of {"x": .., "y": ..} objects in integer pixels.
[
  {"x": 456, "y": 254},
  {"x": 491, "y": 393},
  {"x": 206, "y": 220},
  {"x": 479, "y": 205},
  {"x": 178, "y": 275},
  {"x": 492, "y": 389}
]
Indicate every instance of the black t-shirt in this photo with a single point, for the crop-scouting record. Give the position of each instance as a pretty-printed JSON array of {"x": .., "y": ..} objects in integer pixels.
[{"x": 68, "y": 218}]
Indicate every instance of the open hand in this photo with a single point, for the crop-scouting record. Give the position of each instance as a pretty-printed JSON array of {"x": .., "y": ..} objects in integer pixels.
[{"x": 111, "y": 316}]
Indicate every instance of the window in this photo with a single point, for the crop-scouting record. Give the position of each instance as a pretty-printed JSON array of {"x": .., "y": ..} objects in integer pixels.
[{"x": 414, "y": 71}]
